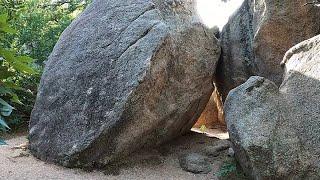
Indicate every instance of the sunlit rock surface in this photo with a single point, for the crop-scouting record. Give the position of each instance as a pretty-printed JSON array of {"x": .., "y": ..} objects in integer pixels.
[
  {"x": 257, "y": 36},
  {"x": 124, "y": 75},
  {"x": 276, "y": 132}
]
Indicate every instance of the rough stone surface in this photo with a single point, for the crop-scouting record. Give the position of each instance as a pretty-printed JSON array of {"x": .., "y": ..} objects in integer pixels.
[
  {"x": 219, "y": 146},
  {"x": 125, "y": 74},
  {"x": 258, "y": 35},
  {"x": 276, "y": 132},
  {"x": 230, "y": 152},
  {"x": 195, "y": 163}
]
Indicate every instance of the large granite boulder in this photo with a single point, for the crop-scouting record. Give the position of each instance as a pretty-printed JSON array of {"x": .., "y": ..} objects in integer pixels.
[
  {"x": 258, "y": 35},
  {"x": 124, "y": 75},
  {"x": 276, "y": 132}
]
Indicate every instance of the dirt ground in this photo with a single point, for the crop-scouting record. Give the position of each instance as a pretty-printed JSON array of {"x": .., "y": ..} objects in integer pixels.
[{"x": 158, "y": 163}]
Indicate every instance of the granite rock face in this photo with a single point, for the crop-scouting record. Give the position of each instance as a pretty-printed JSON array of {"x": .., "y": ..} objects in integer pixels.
[
  {"x": 124, "y": 75},
  {"x": 276, "y": 132},
  {"x": 258, "y": 35}
]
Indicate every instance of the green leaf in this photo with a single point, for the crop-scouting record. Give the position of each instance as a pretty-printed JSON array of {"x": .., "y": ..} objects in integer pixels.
[
  {"x": 8, "y": 29},
  {"x": 2, "y": 142},
  {"x": 203, "y": 128},
  {"x": 6, "y": 111},
  {"x": 12, "y": 85},
  {"x": 5, "y": 73},
  {"x": 5, "y": 108},
  {"x": 25, "y": 59},
  {"x": 4, "y": 91},
  {"x": 3, "y": 103},
  {"x": 3, "y": 123},
  {"x": 21, "y": 67},
  {"x": 8, "y": 55},
  {"x": 18, "y": 63},
  {"x": 3, "y": 18},
  {"x": 16, "y": 99}
]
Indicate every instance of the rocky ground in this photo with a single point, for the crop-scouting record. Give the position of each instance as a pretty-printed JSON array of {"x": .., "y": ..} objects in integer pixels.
[{"x": 158, "y": 163}]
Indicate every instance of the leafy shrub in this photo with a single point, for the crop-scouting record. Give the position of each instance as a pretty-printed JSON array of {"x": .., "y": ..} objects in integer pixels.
[
  {"x": 230, "y": 170},
  {"x": 38, "y": 25},
  {"x": 226, "y": 169},
  {"x": 12, "y": 67}
]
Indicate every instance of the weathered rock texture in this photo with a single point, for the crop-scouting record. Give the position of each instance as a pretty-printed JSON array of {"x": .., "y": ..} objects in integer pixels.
[
  {"x": 125, "y": 74},
  {"x": 195, "y": 163},
  {"x": 213, "y": 115},
  {"x": 276, "y": 132},
  {"x": 257, "y": 36}
]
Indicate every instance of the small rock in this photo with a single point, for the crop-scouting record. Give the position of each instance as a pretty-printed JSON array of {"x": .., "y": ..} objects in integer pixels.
[
  {"x": 223, "y": 144},
  {"x": 195, "y": 163},
  {"x": 216, "y": 31},
  {"x": 211, "y": 151},
  {"x": 230, "y": 152},
  {"x": 23, "y": 146},
  {"x": 19, "y": 154},
  {"x": 215, "y": 150}
]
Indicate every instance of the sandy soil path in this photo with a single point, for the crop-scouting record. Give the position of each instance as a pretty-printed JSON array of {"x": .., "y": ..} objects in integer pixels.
[{"x": 159, "y": 163}]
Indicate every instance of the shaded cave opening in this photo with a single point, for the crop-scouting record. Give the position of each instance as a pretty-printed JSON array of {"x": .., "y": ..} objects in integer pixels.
[
  {"x": 215, "y": 15},
  {"x": 211, "y": 121}
]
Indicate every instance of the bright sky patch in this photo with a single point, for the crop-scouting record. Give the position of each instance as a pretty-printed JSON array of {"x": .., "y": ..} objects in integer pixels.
[{"x": 216, "y": 12}]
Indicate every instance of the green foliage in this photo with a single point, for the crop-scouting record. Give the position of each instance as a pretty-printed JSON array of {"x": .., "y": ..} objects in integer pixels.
[
  {"x": 40, "y": 23},
  {"x": 5, "y": 110},
  {"x": 29, "y": 29},
  {"x": 226, "y": 169},
  {"x": 230, "y": 170},
  {"x": 2, "y": 142},
  {"x": 11, "y": 67},
  {"x": 203, "y": 128}
]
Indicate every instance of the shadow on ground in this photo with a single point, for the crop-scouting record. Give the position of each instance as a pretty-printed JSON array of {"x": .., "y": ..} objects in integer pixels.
[{"x": 157, "y": 163}]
